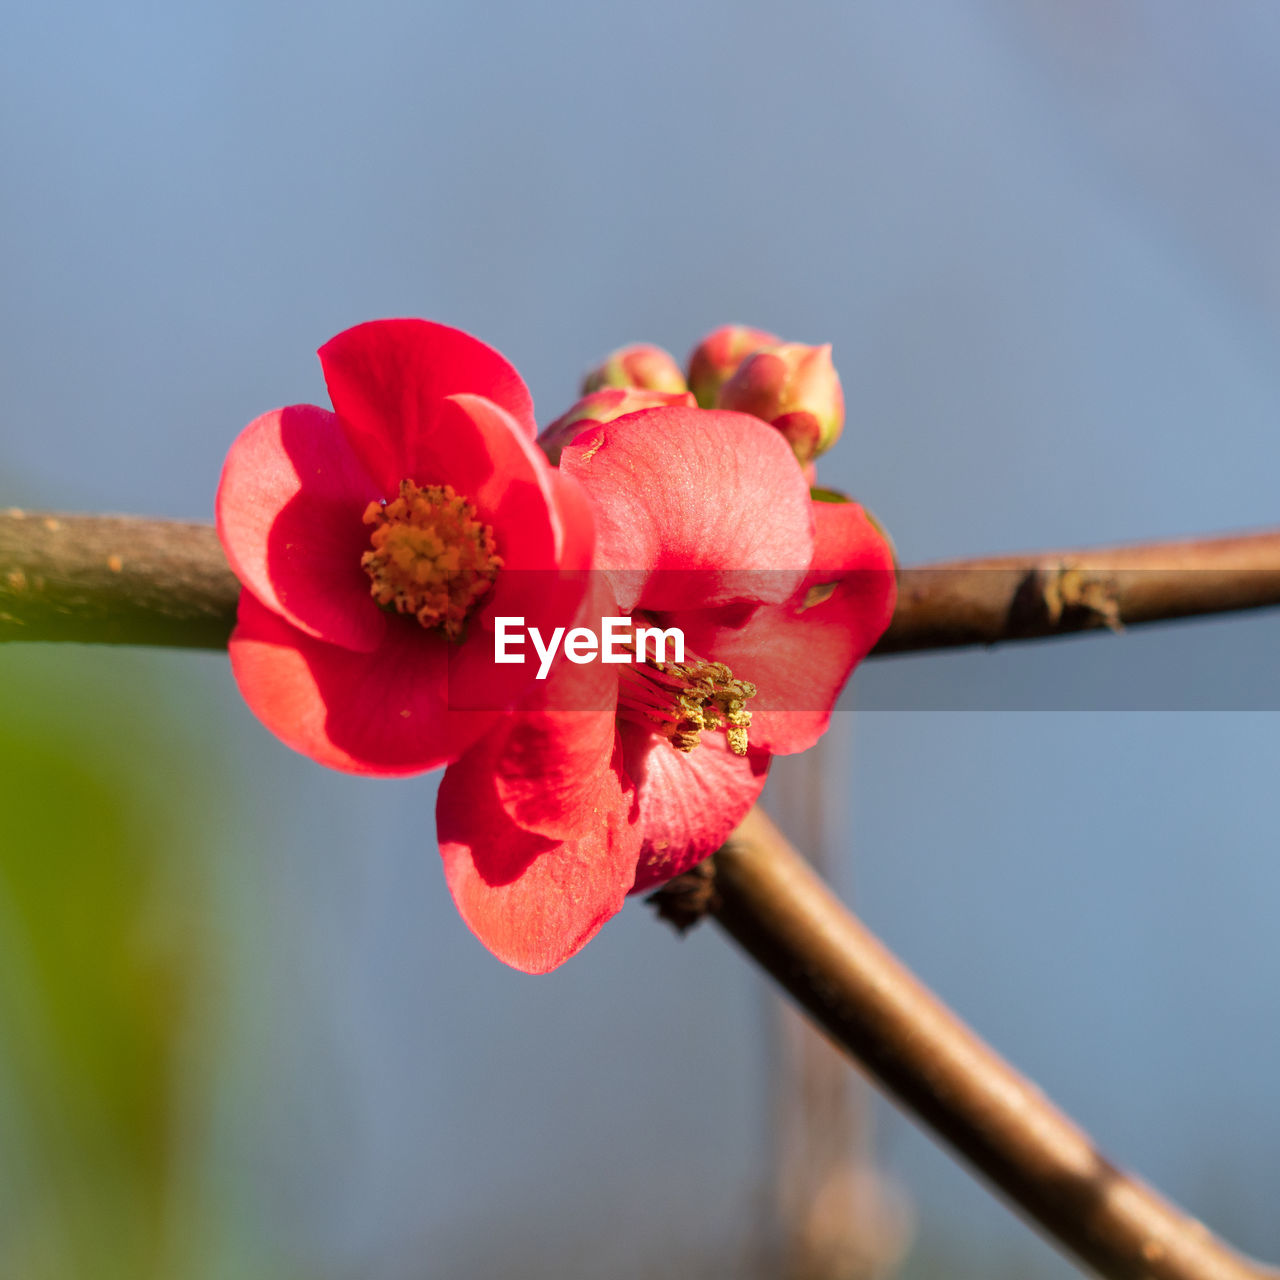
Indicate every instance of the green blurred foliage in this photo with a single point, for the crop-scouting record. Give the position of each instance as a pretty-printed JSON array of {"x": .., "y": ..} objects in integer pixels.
[{"x": 103, "y": 961}]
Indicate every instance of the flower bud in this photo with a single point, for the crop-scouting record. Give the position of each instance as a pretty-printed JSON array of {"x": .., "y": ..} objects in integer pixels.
[
  {"x": 713, "y": 361},
  {"x": 794, "y": 387},
  {"x": 649, "y": 368},
  {"x": 603, "y": 406}
]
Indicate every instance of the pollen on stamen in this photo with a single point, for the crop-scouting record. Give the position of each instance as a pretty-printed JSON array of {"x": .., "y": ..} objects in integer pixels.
[
  {"x": 684, "y": 700},
  {"x": 429, "y": 556}
]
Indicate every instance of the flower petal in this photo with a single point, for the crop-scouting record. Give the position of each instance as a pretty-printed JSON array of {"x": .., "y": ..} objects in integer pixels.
[
  {"x": 383, "y": 712},
  {"x": 480, "y": 449},
  {"x": 289, "y": 509},
  {"x": 694, "y": 507},
  {"x": 575, "y": 549},
  {"x": 687, "y": 802},
  {"x": 547, "y": 772},
  {"x": 799, "y": 655},
  {"x": 388, "y": 379},
  {"x": 548, "y": 758},
  {"x": 533, "y": 902},
  {"x": 846, "y": 540},
  {"x": 543, "y": 528}
]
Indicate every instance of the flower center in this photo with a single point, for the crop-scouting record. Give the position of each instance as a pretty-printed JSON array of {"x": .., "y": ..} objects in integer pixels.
[
  {"x": 429, "y": 555},
  {"x": 682, "y": 700}
]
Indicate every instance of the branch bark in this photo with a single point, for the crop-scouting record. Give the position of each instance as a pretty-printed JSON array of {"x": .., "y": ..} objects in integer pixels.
[
  {"x": 1024, "y": 597},
  {"x": 129, "y": 580},
  {"x": 776, "y": 908},
  {"x": 114, "y": 580}
]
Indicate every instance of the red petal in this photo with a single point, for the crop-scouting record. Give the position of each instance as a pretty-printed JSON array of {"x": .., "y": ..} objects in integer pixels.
[
  {"x": 289, "y": 509},
  {"x": 547, "y": 773},
  {"x": 846, "y": 541},
  {"x": 388, "y": 379},
  {"x": 688, "y": 801},
  {"x": 480, "y": 450},
  {"x": 547, "y": 762},
  {"x": 533, "y": 902},
  {"x": 543, "y": 529},
  {"x": 577, "y": 544},
  {"x": 382, "y": 712},
  {"x": 800, "y": 655},
  {"x": 694, "y": 507}
]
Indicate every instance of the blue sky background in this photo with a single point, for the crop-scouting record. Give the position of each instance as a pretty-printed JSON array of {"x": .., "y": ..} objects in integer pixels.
[{"x": 1044, "y": 239}]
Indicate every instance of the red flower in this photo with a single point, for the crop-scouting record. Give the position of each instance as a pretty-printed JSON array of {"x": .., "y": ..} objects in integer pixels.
[
  {"x": 625, "y": 775},
  {"x": 376, "y": 544}
]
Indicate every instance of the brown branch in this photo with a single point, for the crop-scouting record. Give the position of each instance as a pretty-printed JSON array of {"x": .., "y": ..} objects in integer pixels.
[
  {"x": 1023, "y": 597},
  {"x": 770, "y": 901},
  {"x": 128, "y": 580},
  {"x": 114, "y": 580}
]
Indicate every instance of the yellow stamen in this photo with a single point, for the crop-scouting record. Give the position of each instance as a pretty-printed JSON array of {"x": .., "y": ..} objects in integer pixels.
[
  {"x": 683, "y": 700},
  {"x": 429, "y": 556}
]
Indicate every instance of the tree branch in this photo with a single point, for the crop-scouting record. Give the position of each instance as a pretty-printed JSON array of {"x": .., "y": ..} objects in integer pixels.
[
  {"x": 128, "y": 580},
  {"x": 1023, "y": 597},
  {"x": 776, "y": 908},
  {"x": 114, "y": 580}
]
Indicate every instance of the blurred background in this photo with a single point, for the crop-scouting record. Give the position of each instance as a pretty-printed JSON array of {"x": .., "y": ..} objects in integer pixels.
[{"x": 243, "y": 1033}]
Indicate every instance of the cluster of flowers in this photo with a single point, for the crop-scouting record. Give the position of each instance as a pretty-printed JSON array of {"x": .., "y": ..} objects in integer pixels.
[{"x": 377, "y": 544}]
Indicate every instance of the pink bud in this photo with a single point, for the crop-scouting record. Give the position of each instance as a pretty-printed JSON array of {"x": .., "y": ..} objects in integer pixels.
[
  {"x": 794, "y": 387},
  {"x": 713, "y": 361},
  {"x": 649, "y": 368},
  {"x": 603, "y": 406}
]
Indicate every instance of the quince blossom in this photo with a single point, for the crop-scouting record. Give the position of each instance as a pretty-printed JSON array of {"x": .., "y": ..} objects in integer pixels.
[
  {"x": 376, "y": 543},
  {"x": 610, "y": 780}
]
